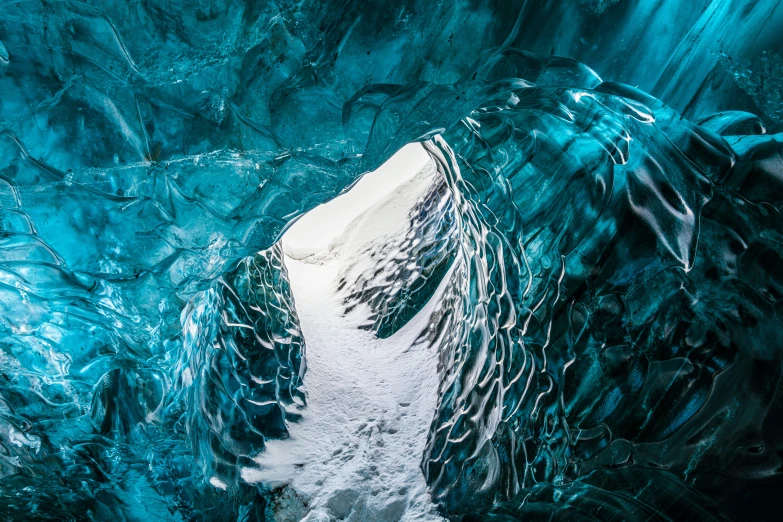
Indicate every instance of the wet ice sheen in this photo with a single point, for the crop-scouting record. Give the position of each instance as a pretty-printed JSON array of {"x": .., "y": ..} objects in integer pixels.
[{"x": 605, "y": 261}]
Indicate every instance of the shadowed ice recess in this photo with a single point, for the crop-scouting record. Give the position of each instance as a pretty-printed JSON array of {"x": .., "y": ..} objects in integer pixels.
[{"x": 580, "y": 290}]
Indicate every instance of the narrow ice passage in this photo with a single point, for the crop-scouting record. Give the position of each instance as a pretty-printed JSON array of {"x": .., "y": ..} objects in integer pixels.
[{"x": 356, "y": 453}]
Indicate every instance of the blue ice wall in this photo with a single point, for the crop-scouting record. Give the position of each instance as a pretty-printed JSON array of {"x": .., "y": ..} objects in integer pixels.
[{"x": 613, "y": 346}]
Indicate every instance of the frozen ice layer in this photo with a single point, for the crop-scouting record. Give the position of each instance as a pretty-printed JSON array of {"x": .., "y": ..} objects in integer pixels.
[{"x": 598, "y": 253}]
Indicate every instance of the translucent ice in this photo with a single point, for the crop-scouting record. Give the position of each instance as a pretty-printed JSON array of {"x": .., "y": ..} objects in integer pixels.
[{"x": 609, "y": 336}]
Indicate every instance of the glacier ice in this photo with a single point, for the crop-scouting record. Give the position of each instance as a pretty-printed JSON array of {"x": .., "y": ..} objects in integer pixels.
[{"x": 603, "y": 238}]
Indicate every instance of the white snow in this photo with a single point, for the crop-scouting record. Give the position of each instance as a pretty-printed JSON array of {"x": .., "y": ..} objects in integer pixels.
[
  {"x": 315, "y": 231},
  {"x": 356, "y": 454}
]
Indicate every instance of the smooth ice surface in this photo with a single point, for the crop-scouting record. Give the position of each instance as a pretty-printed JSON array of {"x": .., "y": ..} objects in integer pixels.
[{"x": 600, "y": 251}]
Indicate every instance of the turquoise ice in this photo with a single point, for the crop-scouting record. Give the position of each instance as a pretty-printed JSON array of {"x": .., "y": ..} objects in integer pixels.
[{"x": 608, "y": 215}]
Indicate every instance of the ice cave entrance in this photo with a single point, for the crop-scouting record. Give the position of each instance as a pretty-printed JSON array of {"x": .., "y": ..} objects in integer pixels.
[
  {"x": 316, "y": 231},
  {"x": 356, "y": 453}
]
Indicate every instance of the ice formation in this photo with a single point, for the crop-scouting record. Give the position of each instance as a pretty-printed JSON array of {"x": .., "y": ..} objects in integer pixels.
[{"x": 595, "y": 261}]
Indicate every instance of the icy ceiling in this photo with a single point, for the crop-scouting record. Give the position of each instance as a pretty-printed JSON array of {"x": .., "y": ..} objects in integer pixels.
[{"x": 602, "y": 238}]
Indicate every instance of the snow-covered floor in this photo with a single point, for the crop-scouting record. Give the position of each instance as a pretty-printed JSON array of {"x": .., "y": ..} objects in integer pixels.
[{"x": 356, "y": 453}]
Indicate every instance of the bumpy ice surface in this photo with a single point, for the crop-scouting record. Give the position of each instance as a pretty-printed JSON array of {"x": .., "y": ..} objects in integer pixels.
[{"x": 599, "y": 253}]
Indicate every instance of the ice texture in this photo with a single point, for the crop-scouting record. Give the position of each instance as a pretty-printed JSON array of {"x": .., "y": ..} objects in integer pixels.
[{"x": 607, "y": 217}]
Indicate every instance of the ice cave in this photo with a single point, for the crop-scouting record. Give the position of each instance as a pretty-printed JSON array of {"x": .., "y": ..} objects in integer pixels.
[{"x": 391, "y": 260}]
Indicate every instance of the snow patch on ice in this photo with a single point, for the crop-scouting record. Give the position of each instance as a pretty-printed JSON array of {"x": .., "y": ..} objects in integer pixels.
[
  {"x": 356, "y": 453},
  {"x": 315, "y": 233}
]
